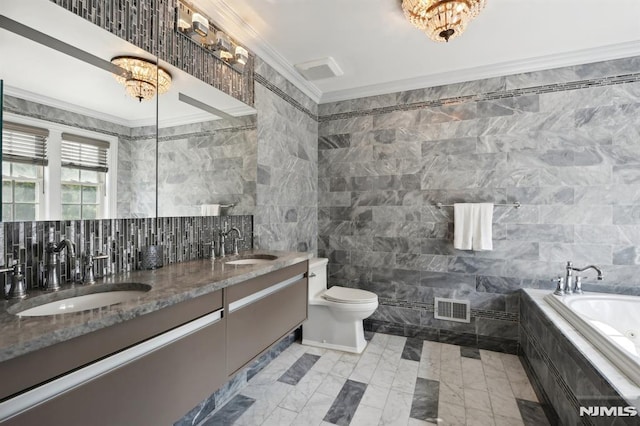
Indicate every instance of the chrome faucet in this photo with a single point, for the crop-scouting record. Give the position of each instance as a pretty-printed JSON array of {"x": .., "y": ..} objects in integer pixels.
[
  {"x": 88, "y": 276},
  {"x": 235, "y": 240},
  {"x": 568, "y": 281},
  {"x": 52, "y": 274}
]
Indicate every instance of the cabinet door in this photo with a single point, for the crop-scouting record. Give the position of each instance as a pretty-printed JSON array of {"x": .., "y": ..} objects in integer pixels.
[
  {"x": 259, "y": 319},
  {"x": 153, "y": 388}
]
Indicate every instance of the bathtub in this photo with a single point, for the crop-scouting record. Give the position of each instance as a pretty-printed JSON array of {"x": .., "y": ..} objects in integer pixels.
[{"x": 610, "y": 322}]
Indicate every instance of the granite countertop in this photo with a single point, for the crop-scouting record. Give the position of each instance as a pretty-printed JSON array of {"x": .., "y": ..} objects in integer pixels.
[{"x": 171, "y": 284}]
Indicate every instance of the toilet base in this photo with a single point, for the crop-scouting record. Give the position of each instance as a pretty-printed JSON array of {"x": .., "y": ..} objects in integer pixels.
[
  {"x": 358, "y": 349},
  {"x": 324, "y": 331}
]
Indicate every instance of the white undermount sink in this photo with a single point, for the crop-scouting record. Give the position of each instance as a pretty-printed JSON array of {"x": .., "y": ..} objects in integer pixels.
[
  {"x": 256, "y": 259},
  {"x": 82, "y": 303}
]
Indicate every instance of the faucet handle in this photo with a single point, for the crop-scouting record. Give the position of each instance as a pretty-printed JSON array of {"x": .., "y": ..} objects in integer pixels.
[
  {"x": 578, "y": 287},
  {"x": 560, "y": 288}
]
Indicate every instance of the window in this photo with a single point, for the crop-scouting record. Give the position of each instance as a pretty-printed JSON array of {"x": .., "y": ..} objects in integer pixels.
[
  {"x": 20, "y": 191},
  {"x": 24, "y": 154},
  {"x": 83, "y": 176}
]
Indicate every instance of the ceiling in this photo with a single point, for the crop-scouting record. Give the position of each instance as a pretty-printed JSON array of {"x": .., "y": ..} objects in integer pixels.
[{"x": 381, "y": 52}]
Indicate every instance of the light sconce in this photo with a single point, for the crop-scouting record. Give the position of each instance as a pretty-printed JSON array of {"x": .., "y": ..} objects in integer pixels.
[
  {"x": 199, "y": 25},
  {"x": 242, "y": 56},
  {"x": 196, "y": 25},
  {"x": 143, "y": 78}
]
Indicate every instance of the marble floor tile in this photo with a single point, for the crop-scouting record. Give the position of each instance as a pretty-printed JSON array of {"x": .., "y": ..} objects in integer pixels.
[
  {"x": 343, "y": 368},
  {"x": 425, "y": 400},
  {"x": 366, "y": 416},
  {"x": 384, "y": 374},
  {"x": 375, "y": 396},
  {"x": 429, "y": 368},
  {"x": 507, "y": 421},
  {"x": 365, "y": 368},
  {"x": 473, "y": 374},
  {"x": 397, "y": 409},
  {"x": 479, "y": 418},
  {"x": 504, "y": 406},
  {"x": 532, "y": 413},
  {"x": 468, "y": 352},
  {"x": 299, "y": 368},
  {"x": 412, "y": 349},
  {"x": 346, "y": 403},
  {"x": 300, "y": 394},
  {"x": 522, "y": 389},
  {"x": 477, "y": 400},
  {"x": 230, "y": 412},
  {"x": 406, "y": 374},
  {"x": 492, "y": 365},
  {"x": 280, "y": 417},
  {"x": 314, "y": 411},
  {"x": 451, "y": 414},
  {"x": 446, "y": 385},
  {"x": 451, "y": 393}
]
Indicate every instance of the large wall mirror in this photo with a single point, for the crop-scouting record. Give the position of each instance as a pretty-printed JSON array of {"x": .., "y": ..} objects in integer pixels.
[{"x": 100, "y": 158}]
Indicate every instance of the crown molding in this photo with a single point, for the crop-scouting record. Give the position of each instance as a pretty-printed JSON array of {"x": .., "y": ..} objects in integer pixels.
[
  {"x": 56, "y": 103},
  {"x": 602, "y": 53},
  {"x": 239, "y": 29}
]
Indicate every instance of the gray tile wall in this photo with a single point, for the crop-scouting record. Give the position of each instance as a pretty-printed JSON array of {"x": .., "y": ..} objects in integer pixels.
[
  {"x": 123, "y": 240},
  {"x": 287, "y": 180},
  {"x": 564, "y": 143},
  {"x": 213, "y": 162}
]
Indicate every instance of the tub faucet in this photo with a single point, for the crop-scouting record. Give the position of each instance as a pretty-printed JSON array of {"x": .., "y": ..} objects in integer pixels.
[
  {"x": 568, "y": 282},
  {"x": 52, "y": 251}
]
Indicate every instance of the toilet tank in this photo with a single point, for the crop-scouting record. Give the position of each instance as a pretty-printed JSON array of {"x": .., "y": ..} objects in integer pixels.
[{"x": 317, "y": 276}]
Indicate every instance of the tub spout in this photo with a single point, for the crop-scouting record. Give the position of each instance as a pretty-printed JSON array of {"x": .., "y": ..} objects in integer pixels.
[{"x": 595, "y": 268}]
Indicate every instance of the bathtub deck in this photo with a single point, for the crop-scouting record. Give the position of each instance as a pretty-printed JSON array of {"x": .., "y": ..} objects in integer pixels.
[{"x": 396, "y": 381}]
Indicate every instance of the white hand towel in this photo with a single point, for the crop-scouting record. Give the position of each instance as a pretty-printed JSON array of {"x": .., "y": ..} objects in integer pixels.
[
  {"x": 210, "y": 209},
  {"x": 463, "y": 226},
  {"x": 472, "y": 228},
  {"x": 482, "y": 232}
]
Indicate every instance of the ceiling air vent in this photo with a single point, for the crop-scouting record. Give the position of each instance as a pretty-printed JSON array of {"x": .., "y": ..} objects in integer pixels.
[
  {"x": 452, "y": 310},
  {"x": 319, "y": 69}
]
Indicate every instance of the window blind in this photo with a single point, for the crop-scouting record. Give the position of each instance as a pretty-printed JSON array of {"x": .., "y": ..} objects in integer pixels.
[
  {"x": 84, "y": 153},
  {"x": 24, "y": 144}
]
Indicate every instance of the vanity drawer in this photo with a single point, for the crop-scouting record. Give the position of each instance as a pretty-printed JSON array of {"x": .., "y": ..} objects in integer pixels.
[
  {"x": 19, "y": 373},
  {"x": 152, "y": 383},
  {"x": 262, "y": 311}
]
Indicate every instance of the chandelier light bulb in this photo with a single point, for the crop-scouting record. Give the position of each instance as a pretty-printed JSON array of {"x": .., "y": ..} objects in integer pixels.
[{"x": 442, "y": 20}]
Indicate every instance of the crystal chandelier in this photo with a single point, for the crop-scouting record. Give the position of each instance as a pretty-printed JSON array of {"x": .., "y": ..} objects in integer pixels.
[
  {"x": 442, "y": 20},
  {"x": 144, "y": 78}
]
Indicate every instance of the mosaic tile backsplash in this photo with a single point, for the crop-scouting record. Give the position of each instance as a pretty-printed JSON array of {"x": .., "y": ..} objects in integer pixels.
[{"x": 122, "y": 240}]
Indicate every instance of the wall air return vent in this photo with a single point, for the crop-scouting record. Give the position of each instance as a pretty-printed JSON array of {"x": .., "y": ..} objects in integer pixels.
[
  {"x": 452, "y": 310},
  {"x": 319, "y": 69}
]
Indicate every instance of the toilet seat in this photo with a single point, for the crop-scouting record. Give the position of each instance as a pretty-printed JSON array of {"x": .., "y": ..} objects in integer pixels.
[{"x": 349, "y": 295}]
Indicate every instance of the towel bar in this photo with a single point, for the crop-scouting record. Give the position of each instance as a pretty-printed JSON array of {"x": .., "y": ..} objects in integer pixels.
[{"x": 515, "y": 205}]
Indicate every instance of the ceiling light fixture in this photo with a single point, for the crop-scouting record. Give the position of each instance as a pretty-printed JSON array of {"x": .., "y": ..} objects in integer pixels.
[
  {"x": 143, "y": 78},
  {"x": 442, "y": 20}
]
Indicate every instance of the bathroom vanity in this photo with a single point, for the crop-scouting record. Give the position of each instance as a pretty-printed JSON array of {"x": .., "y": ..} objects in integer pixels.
[{"x": 150, "y": 359}]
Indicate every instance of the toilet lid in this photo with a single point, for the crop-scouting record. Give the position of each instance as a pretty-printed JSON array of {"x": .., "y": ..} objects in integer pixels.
[{"x": 349, "y": 295}]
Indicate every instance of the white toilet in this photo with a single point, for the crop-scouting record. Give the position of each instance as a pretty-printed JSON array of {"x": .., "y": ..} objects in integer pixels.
[{"x": 336, "y": 314}]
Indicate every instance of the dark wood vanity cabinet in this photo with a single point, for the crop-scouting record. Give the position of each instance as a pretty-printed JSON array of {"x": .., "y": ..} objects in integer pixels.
[
  {"x": 153, "y": 369},
  {"x": 155, "y": 389},
  {"x": 262, "y": 310}
]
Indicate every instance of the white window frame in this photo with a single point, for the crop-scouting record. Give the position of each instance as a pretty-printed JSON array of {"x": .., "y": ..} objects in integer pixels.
[{"x": 51, "y": 205}]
